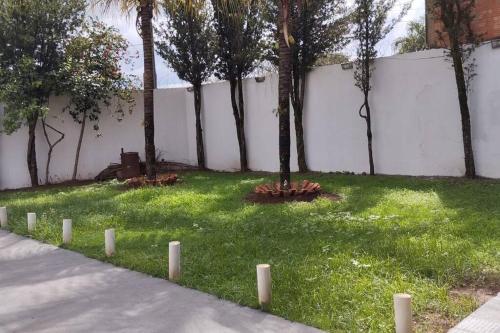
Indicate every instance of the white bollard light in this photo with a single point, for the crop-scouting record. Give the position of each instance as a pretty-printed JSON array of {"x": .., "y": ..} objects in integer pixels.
[
  {"x": 174, "y": 261},
  {"x": 31, "y": 221},
  {"x": 402, "y": 313},
  {"x": 67, "y": 231},
  {"x": 3, "y": 217},
  {"x": 264, "y": 285},
  {"x": 109, "y": 242}
]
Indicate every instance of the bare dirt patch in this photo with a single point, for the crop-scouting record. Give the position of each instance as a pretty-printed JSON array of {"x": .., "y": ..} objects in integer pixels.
[
  {"x": 434, "y": 322},
  {"x": 481, "y": 290}
]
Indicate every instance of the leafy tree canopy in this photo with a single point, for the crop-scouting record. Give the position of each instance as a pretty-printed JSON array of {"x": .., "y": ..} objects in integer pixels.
[
  {"x": 187, "y": 40},
  {"x": 371, "y": 24},
  {"x": 319, "y": 29},
  {"x": 239, "y": 26},
  {"x": 336, "y": 58},
  {"x": 91, "y": 72},
  {"x": 415, "y": 39},
  {"x": 32, "y": 38}
]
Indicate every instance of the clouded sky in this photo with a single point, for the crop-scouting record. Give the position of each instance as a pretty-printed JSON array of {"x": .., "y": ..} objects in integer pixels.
[{"x": 166, "y": 77}]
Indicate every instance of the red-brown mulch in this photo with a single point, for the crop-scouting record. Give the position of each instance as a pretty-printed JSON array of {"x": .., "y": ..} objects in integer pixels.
[
  {"x": 304, "y": 187},
  {"x": 161, "y": 180},
  {"x": 298, "y": 191}
]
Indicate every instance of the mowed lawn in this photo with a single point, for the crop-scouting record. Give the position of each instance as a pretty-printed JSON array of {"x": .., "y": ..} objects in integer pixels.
[{"x": 335, "y": 265}]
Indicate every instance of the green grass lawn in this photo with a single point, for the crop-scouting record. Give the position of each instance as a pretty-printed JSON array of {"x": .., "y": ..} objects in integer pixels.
[{"x": 335, "y": 265}]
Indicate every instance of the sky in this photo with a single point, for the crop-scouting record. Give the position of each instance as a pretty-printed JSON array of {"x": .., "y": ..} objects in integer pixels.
[{"x": 167, "y": 77}]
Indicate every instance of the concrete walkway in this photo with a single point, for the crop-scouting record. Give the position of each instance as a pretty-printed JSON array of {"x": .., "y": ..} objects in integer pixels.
[
  {"x": 47, "y": 289},
  {"x": 486, "y": 319}
]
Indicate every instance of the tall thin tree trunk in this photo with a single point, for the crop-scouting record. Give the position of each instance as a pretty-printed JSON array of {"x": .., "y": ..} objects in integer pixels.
[
  {"x": 149, "y": 84},
  {"x": 470, "y": 168},
  {"x": 284, "y": 98},
  {"x": 299, "y": 85},
  {"x": 31, "y": 153},
  {"x": 368, "y": 116},
  {"x": 200, "y": 149},
  {"x": 243, "y": 140},
  {"x": 366, "y": 74},
  {"x": 369, "y": 136},
  {"x": 79, "y": 146},
  {"x": 233, "y": 83}
]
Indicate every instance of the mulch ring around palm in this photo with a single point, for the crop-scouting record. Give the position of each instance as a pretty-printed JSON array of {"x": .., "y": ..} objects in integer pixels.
[
  {"x": 161, "y": 180},
  {"x": 305, "y": 191}
]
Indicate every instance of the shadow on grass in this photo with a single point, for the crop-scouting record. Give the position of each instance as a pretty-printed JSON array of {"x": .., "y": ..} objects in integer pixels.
[{"x": 392, "y": 227}]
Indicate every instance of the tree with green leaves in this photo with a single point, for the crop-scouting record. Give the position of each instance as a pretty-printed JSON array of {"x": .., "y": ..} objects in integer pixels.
[
  {"x": 239, "y": 27},
  {"x": 335, "y": 58},
  {"x": 145, "y": 11},
  {"x": 460, "y": 40},
  {"x": 187, "y": 43},
  {"x": 318, "y": 29},
  {"x": 32, "y": 38},
  {"x": 415, "y": 39},
  {"x": 371, "y": 24},
  {"x": 92, "y": 77}
]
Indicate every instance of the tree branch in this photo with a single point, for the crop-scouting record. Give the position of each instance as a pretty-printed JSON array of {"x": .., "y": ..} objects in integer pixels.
[
  {"x": 51, "y": 145},
  {"x": 360, "y": 109}
]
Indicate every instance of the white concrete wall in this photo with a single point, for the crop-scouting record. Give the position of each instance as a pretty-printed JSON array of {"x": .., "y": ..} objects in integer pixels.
[
  {"x": 99, "y": 148},
  {"x": 416, "y": 124}
]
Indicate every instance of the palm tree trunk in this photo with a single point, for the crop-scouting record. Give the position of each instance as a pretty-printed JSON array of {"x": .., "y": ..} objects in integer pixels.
[
  {"x": 146, "y": 14},
  {"x": 155, "y": 76},
  {"x": 31, "y": 153},
  {"x": 284, "y": 98},
  {"x": 79, "y": 146},
  {"x": 200, "y": 149}
]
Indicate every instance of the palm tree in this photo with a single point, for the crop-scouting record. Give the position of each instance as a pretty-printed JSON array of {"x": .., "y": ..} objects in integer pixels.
[
  {"x": 145, "y": 10},
  {"x": 285, "y": 79},
  {"x": 415, "y": 39}
]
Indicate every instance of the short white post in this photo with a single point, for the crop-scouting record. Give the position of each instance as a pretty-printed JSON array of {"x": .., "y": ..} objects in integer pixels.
[
  {"x": 67, "y": 232},
  {"x": 174, "y": 261},
  {"x": 109, "y": 242},
  {"x": 31, "y": 221},
  {"x": 3, "y": 217},
  {"x": 402, "y": 313},
  {"x": 264, "y": 285}
]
